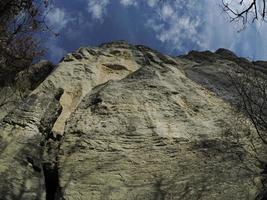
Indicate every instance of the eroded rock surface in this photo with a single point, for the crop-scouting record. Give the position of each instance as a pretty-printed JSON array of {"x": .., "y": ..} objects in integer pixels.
[
  {"x": 86, "y": 68},
  {"x": 153, "y": 135},
  {"x": 121, "y": 121},
  {"x": 22, "y": 143},
  {"x": 25, "y": 82}
]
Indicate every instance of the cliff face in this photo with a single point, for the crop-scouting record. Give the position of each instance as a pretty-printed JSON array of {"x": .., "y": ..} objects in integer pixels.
[{"x": 125, "y": 122}]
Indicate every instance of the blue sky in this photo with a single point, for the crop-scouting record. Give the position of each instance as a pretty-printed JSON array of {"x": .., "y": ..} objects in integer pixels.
[{"x": 174, "y": 28}]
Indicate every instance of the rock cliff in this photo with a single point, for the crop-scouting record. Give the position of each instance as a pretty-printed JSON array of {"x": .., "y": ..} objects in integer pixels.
[{"x": 123, "y": 121}]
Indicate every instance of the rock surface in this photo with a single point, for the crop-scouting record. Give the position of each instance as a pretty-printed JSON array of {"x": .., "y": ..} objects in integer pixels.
[
  {"x": 21, "y": 146},
  {"x": 25, "y": 82},
  {"x": 121, "y": 121}
]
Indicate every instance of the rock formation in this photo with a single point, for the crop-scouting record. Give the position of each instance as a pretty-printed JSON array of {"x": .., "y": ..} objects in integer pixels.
[{"x": 123, "y": 121}]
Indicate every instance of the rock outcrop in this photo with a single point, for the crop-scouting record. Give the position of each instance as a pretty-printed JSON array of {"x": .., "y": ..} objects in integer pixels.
[
  {"x": 123, "y": 121},
  {"x": 25, "y": 82},
  {"x": 22, "y": 144}
]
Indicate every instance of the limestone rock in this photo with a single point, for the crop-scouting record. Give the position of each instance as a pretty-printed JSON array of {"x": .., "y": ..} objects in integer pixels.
[
  {"x": 153, "y": 135},
  {"x": 25, "y": 82},
  {"x": 86, "y": 68},
  {"x": 123, "y": 121},
  {"x": 215, "y": 70},
  {"x": 21, "y": 145}
]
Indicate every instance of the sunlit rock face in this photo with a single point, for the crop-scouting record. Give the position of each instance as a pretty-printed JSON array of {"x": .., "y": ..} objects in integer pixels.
[{"x": 123, "y": 121}]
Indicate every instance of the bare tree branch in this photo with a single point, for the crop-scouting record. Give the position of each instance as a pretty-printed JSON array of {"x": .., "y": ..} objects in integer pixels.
[
  {"x": 245, "y": 11},
  {"x": 251, "y": 88},
  {"x": 20, "y": 20}
]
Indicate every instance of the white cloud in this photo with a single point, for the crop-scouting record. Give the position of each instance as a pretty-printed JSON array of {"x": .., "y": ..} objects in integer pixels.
[
  {"x": 180, "y": 31},
  {"x": 184, "y": 25},
  {"x": 129, "y": 2},
  {"x": 152, "y": 3},
  {"x": 176, "y": 24},
  {"x": 180, "y": 25},
  {"x": 218, "y": 32},
  {"x": 97, "y": 8},
  {"x": 167, "y": 11},
  {"x": 56, "y": 51},
  {"x": 58, "y": 19}
]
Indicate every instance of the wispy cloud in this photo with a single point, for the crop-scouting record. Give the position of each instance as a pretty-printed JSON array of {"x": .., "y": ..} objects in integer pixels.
[
  {"x": 152, "y": 3},
  {"x": 58, "y": 18},
  {"x": 97, "y": 8},
  {"x": 178, "y": 26},
  {"x": 217, "y": 32},
  {"x": 176, "y": 23},
  {"x": 55, "y": 49},
  {"x": 129, "y": 2},
  {"x": 166, "y": 11}
]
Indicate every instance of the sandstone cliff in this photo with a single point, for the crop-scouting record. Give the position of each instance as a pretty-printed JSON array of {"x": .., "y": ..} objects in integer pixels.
[{"x": 123, "y": 121}]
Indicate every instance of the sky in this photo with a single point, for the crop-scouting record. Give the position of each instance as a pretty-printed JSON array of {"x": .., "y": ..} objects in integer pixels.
[{"x": 173, "y": 28}]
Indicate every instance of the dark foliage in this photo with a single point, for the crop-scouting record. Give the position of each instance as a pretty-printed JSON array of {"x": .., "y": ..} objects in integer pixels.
[{"x": 20, "y": 21}]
